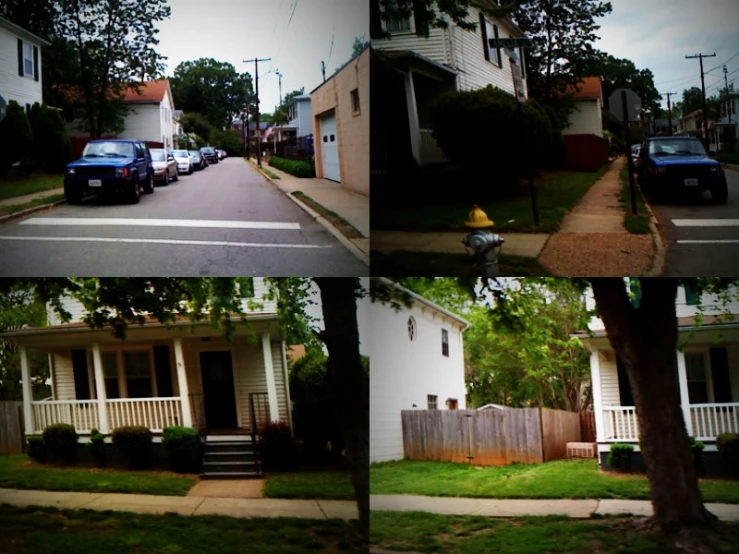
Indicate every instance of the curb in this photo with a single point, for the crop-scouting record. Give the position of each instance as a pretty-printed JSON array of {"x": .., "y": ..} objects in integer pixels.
[
  {"x": 349, "y": 245},
  {"x": 30, "y": 211},
  {"x": 658, "y": 264},
  {"x": 730, "y": 166}
]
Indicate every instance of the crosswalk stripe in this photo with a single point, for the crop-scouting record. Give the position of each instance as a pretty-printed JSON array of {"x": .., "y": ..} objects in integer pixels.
[
  {"x": 165, "y": 241},
  {"x": 706, "y": 222},
  {"x": 192, "y": 223}
]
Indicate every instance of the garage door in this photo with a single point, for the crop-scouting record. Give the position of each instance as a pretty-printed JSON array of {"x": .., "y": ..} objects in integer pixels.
[{"x": 330, "y": 148}]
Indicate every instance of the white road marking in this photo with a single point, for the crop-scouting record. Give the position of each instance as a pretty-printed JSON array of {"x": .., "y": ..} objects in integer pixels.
[
  {"x": 119, "y": 222},
  {"x": 706, "y": 222},
  {"x": 166, "y": 241},
  {"x": 726, "y": 241}
]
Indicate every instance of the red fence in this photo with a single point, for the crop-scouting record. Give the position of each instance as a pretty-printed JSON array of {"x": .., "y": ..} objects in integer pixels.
[
  {"x": 79, "y": 143},
  {"x": 585, "y": 153}
]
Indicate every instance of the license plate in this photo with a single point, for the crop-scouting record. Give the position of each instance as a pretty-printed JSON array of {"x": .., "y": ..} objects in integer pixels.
[
  {"x": 691, "y": 182},
  {"x": 95, "y": 183}
]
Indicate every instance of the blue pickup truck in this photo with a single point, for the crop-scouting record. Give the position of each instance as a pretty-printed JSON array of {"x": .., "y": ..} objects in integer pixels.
[{"x": 110, "y": 166}]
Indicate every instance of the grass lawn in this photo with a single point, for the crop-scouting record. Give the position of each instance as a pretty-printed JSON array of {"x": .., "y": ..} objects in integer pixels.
[
  {"x": 346, "y": 228},
  {"x": 5, "y": 210},
  {"x": 28, "y": 184},
  {"x": 412, "y": 264},
  {"x": 636, "y": 224},
  {"x": 558, "y": 479},
  {"x": 51, "y": 531},
  {"x": 556, "y": 194},
  {"x": 426, "y": 532},
  {"x": 18, "y": 472},
  {"x": 329, "y": 485}
]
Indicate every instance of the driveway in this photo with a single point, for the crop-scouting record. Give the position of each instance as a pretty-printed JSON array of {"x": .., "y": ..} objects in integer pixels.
[
  {"x": 225, "y": 220},
  {"x": 702, "y": 238}
]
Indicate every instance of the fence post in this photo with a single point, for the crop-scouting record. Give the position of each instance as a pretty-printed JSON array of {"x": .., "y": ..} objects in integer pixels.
[
  {"x": 541, "y": 437},
  {"x": 21, "y": 428}
]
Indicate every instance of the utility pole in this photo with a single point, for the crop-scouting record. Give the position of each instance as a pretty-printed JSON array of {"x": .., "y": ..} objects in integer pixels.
[
  {"x": 323, "y": 71},
  {"x": 669, "y": 109},
  {"x": 728, "y": 98},
  {"x": 279, "y": 79},
  {"x": 703, "y": 88},
  {"x": 256, "y": 80}
]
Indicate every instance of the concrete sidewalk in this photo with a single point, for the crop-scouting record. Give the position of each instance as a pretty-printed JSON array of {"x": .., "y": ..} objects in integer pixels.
[
  {"x": 184, "y": 505},
  {"x": 17, "y": 200},
  {"x": 580, "y": 508}
]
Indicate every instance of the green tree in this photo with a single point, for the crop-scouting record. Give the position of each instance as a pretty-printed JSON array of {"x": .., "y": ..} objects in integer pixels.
[
  {"x": 16, "y": 138},
  {"x": 230, "y": 141},
  {"x": 692, "y": 100},
  {"x": 619, "y": 73},
  {"x": 212, "y": 88},
  {"x": 51, "y": 144},
  {"x": 196, "y": 123},
  {"x": 360, "y": 43}
]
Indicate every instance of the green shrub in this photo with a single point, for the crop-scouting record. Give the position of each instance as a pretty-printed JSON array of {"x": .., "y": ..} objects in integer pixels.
[
  {"x": 16, "y": 138},
  {"x": 293, "y": 167},
  {"x": 60, "y": 441},
  {"x": 134, "y": 443},
  {"x": 96, "y": 447},
  {"x": 277, "y": 448},
  {"x": 696, "y": 448},
  {"x": 620, "y": 456},
  {"x": 728, "y": 446},
  {"x": 184, "y": 449},
  {"x": 36, "y": 449}
]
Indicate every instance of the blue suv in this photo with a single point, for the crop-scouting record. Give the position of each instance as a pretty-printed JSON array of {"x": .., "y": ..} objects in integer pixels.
[{"x": 110, "y": 166}]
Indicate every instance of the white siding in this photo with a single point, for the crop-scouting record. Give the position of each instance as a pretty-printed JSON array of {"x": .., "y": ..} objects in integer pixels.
[
  {"x": 24, "y": 90},
  {"x": 403, "y": 373},
  {"x": 587, "y": 121},
  {"x": 609, "y": 382},
  {"x": 143, "y": 122},
  {"x": 434, "y": 47},
  {"x": 63, "y": 375},
  {"x": 305, "y": 118}
]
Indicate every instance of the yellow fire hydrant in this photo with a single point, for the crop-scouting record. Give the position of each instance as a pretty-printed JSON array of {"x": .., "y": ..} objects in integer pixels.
[{"x": 483, "y": 242}]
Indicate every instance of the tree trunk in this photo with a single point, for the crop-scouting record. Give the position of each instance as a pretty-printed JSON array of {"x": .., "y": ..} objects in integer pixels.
[
  {"x": 645, "y": 338},
  {"x": 348, "y": 381}
]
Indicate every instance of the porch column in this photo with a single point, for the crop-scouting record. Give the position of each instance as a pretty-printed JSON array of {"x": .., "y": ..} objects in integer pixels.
[
  {"x": 600, "y": 430},
  {"x": 269, "y": 371},
  {"x": 682, "y": 376},
  {"x": 30, "y": 426},
  {"x": 413, "y": 124},
  {"x": 182, "y": 382},
  {"x": 97, "y": 365}
]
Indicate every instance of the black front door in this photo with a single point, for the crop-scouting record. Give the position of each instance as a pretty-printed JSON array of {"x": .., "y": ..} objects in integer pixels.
[{"x": 218, "y": 390}]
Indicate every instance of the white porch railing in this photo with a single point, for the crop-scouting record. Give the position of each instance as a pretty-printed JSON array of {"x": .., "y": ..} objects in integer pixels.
[
  {"x": 620, "y": 423},
  {"x": 430, "y": 151},
  {"x": 83, "y": 414},
  {"x": 710, "y": 420},
  {"x": 154, "y": 413}
]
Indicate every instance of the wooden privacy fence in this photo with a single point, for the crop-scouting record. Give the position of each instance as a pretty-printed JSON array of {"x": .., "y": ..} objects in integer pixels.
[
  {"x": 587, "y": 426},
  {"x": 489, "y": 437},
  {"x": 585, "y": 153},
  {"x": 11, "y": 428}
]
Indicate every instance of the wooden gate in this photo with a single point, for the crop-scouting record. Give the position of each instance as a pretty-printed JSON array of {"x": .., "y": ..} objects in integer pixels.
[{"x": 12, "y": 438}]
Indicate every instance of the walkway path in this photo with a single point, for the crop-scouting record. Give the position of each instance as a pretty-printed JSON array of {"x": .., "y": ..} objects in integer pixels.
[
  {"x": 592, "y": 241},
  {"x": 16, "y": 200},
  {"x": 184, "y": 505},
  {"x": 580, "y": 508}
]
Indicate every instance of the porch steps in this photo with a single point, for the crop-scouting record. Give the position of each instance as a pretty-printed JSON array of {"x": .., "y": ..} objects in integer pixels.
[{"x": 230, "y": 459}]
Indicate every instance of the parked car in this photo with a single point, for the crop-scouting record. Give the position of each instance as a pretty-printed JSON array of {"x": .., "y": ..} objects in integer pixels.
[
  {"x": 197, "y": 159},
  {"x": 671, "y": 165},
  {"x": 165, "y": 166},
  {"x": 635, "y": 151},
  {"x": 209, "y": 154},
  {"x": 184, "y": 161},
  {"x": 121, "y": 166},
  {"x": 221, "y": 154}
]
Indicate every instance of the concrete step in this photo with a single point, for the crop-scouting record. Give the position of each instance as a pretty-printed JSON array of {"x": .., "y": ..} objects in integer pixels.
[
  {"x": 226, "y": 467},
  {"x": 231, "y": 475},
  {"x": 215, "y": 447}
]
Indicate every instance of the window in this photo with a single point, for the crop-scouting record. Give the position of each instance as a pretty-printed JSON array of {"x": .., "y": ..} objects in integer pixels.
[
  {"x": 138, "y": 374},
  {"x": 445, "y": 343},
  {"x": 451, "y": 404},
  {"x": 412, "y": 328},
  {"x": 28, "y": 59},
  {"x": 488, "y": 31},
  {"x": 399, "y": 25},
  {"x": 635, "y": 292},
  {"x": 431, "y": 401},
  {"x": 695, "y": 367},
  {"x": 355, "y": 100},
  {"x": 110, "y": 373},
  {"x": 692, "y": 298}
]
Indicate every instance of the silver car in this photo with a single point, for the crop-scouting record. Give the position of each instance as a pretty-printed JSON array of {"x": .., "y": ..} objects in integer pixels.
[
  {"x": 184, "y": 161},
  {"x": 165, "y": 166}
]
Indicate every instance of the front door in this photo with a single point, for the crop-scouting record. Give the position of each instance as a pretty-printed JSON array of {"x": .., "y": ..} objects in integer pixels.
[{"x": 218, "y": 390}]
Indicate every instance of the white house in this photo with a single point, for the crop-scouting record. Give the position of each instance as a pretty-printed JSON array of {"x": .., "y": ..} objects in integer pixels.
[
  {"x": 449, "y": 59},
  {"x": 587, "y": 117},
  {"x": 707, "y": 372},
  {"x": 724, "y": 133},
  {"x": 20, "y": 66},
  {"x": 416, "y": 361},
  {"x": 300, "y": 123}
]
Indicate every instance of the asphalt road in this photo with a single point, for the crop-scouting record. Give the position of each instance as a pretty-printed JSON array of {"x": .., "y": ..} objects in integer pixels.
[
  {"x": 226, "y": 220},
  {"x": 702, "y": 239}
]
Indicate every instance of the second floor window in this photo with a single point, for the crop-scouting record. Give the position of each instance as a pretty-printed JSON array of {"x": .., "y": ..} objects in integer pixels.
[
  {"x": 28, "y": 59},
  {"x": 431, "y": 400},
  {"x": 445, "y": 343},
  {"x": 692, "y": 298},
  {"x": 488, "y": 31},
  {"x": 398, "y": 25}
]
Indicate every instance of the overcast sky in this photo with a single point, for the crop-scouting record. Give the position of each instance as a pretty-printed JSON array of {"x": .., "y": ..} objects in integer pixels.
[
  {"x": 658, "y": 34},
  {"x": 296, "y": 34}
]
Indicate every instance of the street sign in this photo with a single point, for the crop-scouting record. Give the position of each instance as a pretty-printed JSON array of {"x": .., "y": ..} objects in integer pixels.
[
  {"x": 510, "y": 43},
  {"x": 633, "y": 104}
]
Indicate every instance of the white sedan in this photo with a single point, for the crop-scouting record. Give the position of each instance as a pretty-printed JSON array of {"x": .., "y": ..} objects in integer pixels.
[{"x": 184, "y": 161}]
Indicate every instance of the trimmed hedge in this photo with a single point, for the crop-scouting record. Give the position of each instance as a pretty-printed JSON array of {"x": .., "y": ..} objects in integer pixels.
[
  {"x": 277, "y": 447},
  {"x": 51, "y": 144},
  {"x": 60, "y": 441},
  {"x": 620, "y": 456},
  {"x": 134, "y": 443},
  {"x": 36, "y": 449},
  {"x": 728, "y": 446},
  {"x": 293, "y": 167},
  {"x": 184, "y": 449}
]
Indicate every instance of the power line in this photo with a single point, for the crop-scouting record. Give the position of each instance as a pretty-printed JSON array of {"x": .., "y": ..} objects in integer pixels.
[{"x": 703, "y": 87}]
